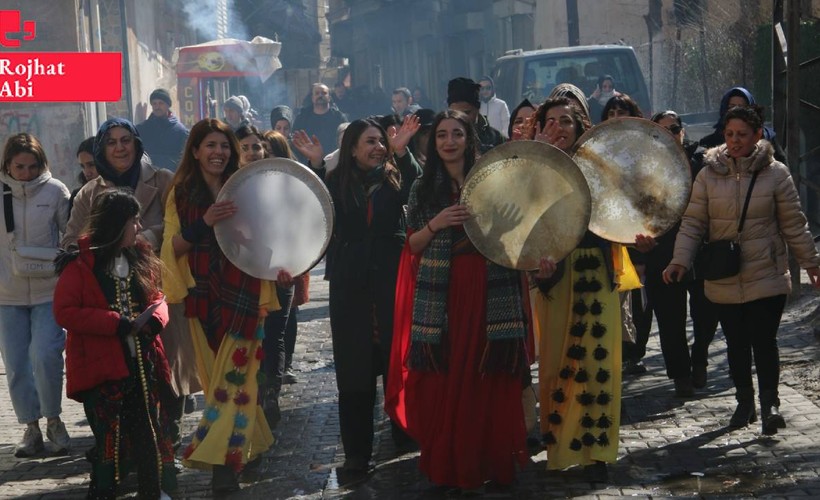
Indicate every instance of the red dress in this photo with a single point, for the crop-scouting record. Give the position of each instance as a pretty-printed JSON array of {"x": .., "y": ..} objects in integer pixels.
[{"x": 469, "y": 425}]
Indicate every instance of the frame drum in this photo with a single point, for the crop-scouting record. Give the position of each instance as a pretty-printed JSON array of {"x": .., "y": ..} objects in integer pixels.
[
  {"x": 284, "y": 221},
  {"x": 638, "y": 175},
  {"x": 528, "y": 200}
]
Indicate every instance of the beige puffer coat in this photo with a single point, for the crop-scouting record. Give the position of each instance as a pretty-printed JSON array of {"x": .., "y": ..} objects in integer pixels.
[{"x": 773, "y": 220}]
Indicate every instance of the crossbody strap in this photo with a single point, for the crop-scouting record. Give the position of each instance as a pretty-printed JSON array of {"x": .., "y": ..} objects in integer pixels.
[
  {"x": 9, "y": 215},
  {"x": 746, "y": 205}
]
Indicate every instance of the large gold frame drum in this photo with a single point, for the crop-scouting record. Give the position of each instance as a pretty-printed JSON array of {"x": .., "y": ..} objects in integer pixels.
[
  {"x": 638, "y": 175},
  {"x": 528, "y": 200},
  {"x": 284, "y": 218}
]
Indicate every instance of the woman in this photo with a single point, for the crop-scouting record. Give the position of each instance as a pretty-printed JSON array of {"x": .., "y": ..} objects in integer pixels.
[
  {"x": 369, "y": 189},
  {"x": 578, "y": 318},
  {"x": 750, "y": 303},
  {"x": 114, "y": 366},
  {"x": 225, "y": 307},
  {"x": 251, "y": 144},
  {"x": 35, "y": 210},
  {"x": 668, "y": 302},
  {"x": 467, "y": 324},
  {"x": 88, "y": 169},
  {"x": 118, "y": 154},
  {"x": 621, "y": 105},
  {"x": 518, "y": 120},
  {"x": 604, "y": 91}
]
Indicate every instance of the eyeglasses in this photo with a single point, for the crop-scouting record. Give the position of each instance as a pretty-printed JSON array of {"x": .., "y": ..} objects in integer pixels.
[
  {"x": 255, "y": 147},
  {"x": 674, "y": 129},
  {"x": 486, "y": 87}
]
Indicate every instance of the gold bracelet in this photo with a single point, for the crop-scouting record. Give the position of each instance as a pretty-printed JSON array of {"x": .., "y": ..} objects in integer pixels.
[{"x": 430, "y": 228}]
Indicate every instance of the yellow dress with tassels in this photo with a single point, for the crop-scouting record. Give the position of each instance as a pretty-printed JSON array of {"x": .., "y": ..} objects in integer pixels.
[
  {"x": 233, "y": 429},
  {"x": 578, "y": 330}
]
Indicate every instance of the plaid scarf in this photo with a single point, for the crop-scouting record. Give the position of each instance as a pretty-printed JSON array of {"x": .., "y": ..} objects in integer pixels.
[
  {"x": 505, "y": 315},
  {"x": 225, "y": 299}
]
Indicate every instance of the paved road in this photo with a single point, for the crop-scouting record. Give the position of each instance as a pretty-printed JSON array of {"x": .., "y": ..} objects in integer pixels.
[{"x": 669, "y": 447}]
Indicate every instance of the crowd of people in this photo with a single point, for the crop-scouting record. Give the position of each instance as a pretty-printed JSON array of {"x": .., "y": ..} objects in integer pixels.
[{"x": 125, "y": 275}]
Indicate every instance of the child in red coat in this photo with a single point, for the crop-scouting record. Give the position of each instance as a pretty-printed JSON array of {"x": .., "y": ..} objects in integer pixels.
[{"x": 108, "y": 299}]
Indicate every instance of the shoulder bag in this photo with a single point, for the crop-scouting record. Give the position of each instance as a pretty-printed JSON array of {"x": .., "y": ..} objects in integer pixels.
[
  {"x": 720, "y": 259},
  {"x": 26, "y": 262}
]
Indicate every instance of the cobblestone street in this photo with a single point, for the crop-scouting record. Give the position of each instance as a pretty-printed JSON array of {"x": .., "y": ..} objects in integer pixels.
[{"x": 669, "y": 447}]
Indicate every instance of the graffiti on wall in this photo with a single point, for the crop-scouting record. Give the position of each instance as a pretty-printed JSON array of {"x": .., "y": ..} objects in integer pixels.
[{"x": 14, "y": 122}]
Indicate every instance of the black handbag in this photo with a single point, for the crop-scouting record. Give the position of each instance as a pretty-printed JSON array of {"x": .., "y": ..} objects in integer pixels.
[{"x": 720, "y": 259}]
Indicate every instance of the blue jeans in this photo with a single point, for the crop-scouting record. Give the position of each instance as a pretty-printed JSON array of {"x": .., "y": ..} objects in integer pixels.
[{"x": 32, "y": 345}]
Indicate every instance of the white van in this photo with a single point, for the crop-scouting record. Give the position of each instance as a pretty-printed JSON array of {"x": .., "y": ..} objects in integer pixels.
[{"x": 533, "y": 74}]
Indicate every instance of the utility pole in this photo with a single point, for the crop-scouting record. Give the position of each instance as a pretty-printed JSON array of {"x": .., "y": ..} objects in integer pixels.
[{"x": 573, "y": 30}]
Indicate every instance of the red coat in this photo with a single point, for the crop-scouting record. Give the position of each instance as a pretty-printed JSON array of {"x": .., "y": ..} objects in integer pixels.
[{"x": 94, "y": 352}]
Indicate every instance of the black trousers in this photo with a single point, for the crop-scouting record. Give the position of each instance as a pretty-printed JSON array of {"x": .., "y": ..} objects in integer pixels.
[
  {"x": 273, "y": 364},
  {"x": 290, "y": 336},
  {"x": 751, "y": 330},
  {"x": 361, "y": 320},
  {"x": 669, "y": 304}
]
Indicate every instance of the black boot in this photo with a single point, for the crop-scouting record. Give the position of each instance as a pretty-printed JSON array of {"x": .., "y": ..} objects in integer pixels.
[
  {"x": 745, "y": 412},
  {"x": 770, "y": 412}
]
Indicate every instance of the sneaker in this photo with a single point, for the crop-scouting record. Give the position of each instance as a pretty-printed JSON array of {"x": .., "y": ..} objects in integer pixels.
[
  {"x": 289, "y": 377},
  {"x": 633, "y": 368},
  {"x": 31, "y": 444},
  {"x": 56, "y": 433}
]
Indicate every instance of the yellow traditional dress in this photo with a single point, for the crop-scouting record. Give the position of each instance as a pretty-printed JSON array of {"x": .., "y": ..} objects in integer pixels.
[
  {"x": 233, "y": 429},
  {"x": 577, "y": 325}
]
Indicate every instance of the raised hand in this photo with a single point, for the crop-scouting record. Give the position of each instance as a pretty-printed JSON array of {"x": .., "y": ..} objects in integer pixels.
[
  {"x": 402, "y": 137},
  {"x": 310, "y": 147}
]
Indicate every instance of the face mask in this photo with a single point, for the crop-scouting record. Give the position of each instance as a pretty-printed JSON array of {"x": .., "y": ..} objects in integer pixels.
[{"x": 605, "y": 96}]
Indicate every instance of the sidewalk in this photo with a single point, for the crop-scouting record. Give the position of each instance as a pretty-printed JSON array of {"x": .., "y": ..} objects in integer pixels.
[{"x": 669, "y": 447}]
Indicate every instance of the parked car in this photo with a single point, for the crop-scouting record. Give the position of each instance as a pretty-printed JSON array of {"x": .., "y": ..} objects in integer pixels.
[{"x": 532, "y": 74}]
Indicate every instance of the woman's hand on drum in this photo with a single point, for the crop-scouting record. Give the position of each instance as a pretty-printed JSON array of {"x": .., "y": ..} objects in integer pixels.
[
  {"x": 284, "y": 279},
  {"x": 673, "y": 273},
  {"x": 644, "y": 243},
  {"x": 219, "y": 211},
  {"x": 546, "y": 268},
  {"x": 310, "y": 147},
  {"x": 454, "y": 215},
  {"x": 401, "y": 138}
]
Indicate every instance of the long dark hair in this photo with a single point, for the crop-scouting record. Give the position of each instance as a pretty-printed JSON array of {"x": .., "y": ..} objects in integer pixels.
[
  {"x": 87, "y": 146},
  {"x": 438, "y": 195},
  {"x": 110, "y": 212},
  {"x": 349, "y": 174},
  {"x": 188, "y": 180}
]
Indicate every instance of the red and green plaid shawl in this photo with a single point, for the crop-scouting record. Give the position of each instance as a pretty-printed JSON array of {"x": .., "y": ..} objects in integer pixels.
[{"x": 225, "y": 299}]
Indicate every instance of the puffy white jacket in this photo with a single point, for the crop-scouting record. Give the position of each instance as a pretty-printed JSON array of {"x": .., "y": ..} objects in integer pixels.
[
  {"x": 40, "y": 209},
  {"x": 773, "y": 221}
]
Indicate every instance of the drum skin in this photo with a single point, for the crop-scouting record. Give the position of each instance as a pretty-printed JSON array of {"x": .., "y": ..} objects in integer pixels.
[
  {"x": 284, "y": 218},
  {"x": 638, "y": 175},
  {"x": 528, "y": 200}
]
